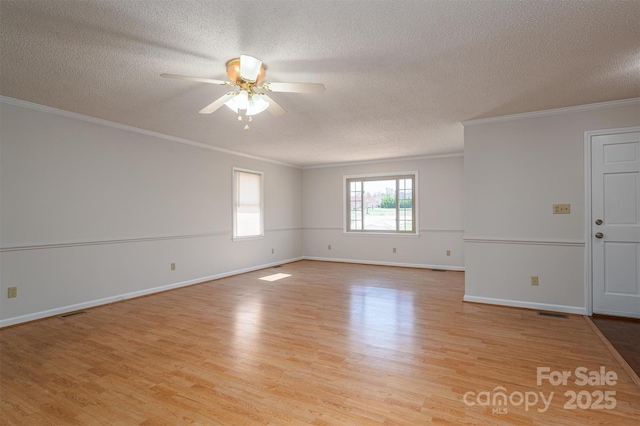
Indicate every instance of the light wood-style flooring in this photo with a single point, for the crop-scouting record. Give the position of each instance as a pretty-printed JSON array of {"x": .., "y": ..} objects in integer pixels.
[{"x": 333, "y": 344}]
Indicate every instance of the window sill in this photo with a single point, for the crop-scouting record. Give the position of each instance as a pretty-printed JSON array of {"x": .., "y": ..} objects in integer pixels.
[
  {"x": 252, "y": 237},
  {"x": 379, "y": 234}
]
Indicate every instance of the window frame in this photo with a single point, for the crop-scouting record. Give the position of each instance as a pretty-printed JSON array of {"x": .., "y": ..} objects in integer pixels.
[
  {"x": 346, "y": 203},
  {"x": 234, "y": 204}
]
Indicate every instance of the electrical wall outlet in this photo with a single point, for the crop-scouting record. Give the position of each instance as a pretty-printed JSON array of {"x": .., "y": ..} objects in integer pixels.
[
  {"x": 448, "y": 252},
  {"x": 173, "y": 266},
  {"x": 394, "y": 249},
  {"x": 534, "y": 280},
  {"x": 329, "y": 247},
  {"x": 562, "y": 209},
  {"x": 12, "y": 292},
  {"x": 273, "y": 251}
]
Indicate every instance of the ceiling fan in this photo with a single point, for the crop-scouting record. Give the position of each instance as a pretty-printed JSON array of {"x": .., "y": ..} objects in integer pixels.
[{"x": 247, "y": 73}]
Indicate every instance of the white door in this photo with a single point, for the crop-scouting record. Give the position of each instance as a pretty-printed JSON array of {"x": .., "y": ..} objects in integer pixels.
[{"x": 615, "y": 227}]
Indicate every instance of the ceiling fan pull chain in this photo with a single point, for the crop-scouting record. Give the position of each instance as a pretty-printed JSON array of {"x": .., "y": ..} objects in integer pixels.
[{"x": 242, "y": 114}]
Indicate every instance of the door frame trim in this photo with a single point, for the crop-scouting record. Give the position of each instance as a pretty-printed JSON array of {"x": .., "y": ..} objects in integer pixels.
[{"x": 588, "y": 255}]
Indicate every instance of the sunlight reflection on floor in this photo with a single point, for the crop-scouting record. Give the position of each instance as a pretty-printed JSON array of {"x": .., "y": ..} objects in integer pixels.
[
  {"x": 382, "y": 317},
  {"x": 275, "y": 277}
]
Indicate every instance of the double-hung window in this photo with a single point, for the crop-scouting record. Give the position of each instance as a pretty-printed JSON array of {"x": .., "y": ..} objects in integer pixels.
[
  {"x": 248, "y": 217},
  {"x": 382, "y": 203}
]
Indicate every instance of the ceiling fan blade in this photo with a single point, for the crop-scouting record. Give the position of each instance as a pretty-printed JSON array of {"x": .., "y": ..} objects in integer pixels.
[
  {"x": 249, "y": 68},
  {"x": 198, "y": 79},
  {"x": 274, "y": 107},
  {"x": 217, "y": 103},
  {"x": 295, "y": 87}
]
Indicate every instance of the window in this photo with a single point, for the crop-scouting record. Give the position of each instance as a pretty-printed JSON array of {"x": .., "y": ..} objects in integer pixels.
[
  {"x": 247, "y": 204},
  {"x": 381, "y": 203}
]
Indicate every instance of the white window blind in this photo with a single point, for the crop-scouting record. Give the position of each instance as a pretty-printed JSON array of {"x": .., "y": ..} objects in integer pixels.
[{"x": 248, "y": 210}]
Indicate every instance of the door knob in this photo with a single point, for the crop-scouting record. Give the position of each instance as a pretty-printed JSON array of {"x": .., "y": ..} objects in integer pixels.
[
  {"x": 599, "y": 222},
  {"x": 599, "y": 235}
]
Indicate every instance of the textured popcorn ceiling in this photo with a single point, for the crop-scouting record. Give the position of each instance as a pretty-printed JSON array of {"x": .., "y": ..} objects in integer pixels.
[{"x": 400, "y": 75}]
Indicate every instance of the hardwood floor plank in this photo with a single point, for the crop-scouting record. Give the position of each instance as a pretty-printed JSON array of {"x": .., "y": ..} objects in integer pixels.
[{"x": 333, "y": 344}]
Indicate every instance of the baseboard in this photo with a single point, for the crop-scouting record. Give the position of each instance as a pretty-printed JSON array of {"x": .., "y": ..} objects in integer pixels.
[
  {"x": 375, "y": 262},
  {"x": 529, "y": 305},
  {"x": 118, "y": 298}
]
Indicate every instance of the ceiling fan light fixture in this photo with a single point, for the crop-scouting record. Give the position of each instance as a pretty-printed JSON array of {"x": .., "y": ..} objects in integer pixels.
[
  {"x": 250, "y": 68},
  {"x": 257, "y": 105},
  {"x": 252, "y": 105},
  {"x": 239, "y": 101},
  {"x": 246, "y": 69}
]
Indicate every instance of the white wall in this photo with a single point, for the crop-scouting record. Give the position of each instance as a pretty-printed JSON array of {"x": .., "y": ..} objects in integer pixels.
[
  {"x": 440, "y": 202},
  {"x": 515, "y": 170},
  {"x": 91, "y": 213}
]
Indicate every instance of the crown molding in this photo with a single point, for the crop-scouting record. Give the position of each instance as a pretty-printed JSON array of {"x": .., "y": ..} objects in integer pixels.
[
  {"x": 549, "y": 112},
  {"x": 385, "y": 160},
  {"x": 100, "y": 121}
]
